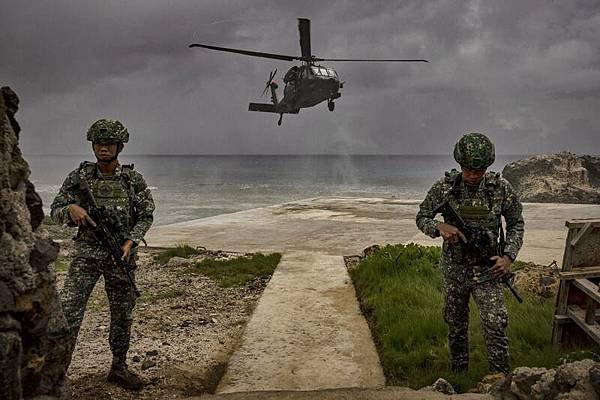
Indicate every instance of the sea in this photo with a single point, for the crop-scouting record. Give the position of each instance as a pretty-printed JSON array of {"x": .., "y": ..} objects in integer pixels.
[{"x": 187, "y": 187}]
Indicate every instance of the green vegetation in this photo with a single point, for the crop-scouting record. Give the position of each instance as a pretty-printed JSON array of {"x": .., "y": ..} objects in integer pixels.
[
  {"x": 400, "y": 291},
  {"x": 61, "y": 264},
  {"x": 237, "y": 271},
  {"x": 184, "y": 251}
]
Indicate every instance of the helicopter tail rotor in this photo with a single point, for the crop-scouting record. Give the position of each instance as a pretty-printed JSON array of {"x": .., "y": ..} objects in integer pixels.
[{"x": 270, "y": 81}]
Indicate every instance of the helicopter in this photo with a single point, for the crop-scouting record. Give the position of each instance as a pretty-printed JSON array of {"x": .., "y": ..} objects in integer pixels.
[{"x": 306, "y": 85}]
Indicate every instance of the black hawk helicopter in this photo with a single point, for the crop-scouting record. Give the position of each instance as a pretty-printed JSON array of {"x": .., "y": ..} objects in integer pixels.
[{"x": 306, "y": 85}]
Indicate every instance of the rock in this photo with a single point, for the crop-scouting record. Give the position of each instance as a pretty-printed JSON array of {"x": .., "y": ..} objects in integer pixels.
[
  {"x": 152, "y": 353},
  {"x": 538, "y": 280},
  {"x": 575, "y": 376},
  {"x": 493, "y": 383},
  {"x": 556, "y": 178},
  {"x": 545, "y": 387},
  {"x": 32, "y": 326},
  {"x": 440, "y": 385},
  {"x": 523, "y": 378},
  {"x": 147, "y": 364},
  {"x": 178, "y": 262},
  {"x": 595, "y": 378}
]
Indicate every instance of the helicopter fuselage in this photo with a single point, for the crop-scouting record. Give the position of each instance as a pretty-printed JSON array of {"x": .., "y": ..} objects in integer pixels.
[{"x": 307, "y": 86}]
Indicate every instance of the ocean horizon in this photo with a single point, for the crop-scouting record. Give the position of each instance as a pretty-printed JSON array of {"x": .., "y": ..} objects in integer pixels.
[{"x": 187, "y": 187}]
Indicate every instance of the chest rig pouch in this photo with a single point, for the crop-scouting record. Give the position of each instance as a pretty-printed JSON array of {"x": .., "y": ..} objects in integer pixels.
[
  {"x": 478, "y": 208},
  {"x": 114, "y": 192}
]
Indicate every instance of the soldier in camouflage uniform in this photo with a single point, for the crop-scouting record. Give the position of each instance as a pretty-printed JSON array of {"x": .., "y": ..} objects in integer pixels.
[
  {"x": 481, "y": 198},
  {"x": 122, "y": 189}
]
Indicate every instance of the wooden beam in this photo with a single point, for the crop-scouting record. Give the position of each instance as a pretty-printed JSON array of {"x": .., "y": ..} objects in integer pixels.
[
  {"x": 589, "y": 288},
  {"x": 581, "y": 272},
  {"x": 577, "y": 314},
  {"x": 584, "y": 231},
  {"x": 580, "y": 223}
]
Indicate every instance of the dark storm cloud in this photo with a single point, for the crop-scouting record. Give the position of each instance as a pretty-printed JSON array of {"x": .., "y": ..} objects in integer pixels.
[{"x": 526, "y": 72}]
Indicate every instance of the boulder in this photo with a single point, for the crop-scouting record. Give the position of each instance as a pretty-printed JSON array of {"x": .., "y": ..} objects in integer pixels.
[
  {"x": 575, "y": 380},
  {"x": 522, "y": 380},
  {"x": 442, "y": 386},
  {"x": 556, "y": 178}
]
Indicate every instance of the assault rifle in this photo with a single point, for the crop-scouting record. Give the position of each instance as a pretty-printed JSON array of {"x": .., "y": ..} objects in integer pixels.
[
  {"x": 106, "y": 227},
  {"x": 480, "y": 244}
]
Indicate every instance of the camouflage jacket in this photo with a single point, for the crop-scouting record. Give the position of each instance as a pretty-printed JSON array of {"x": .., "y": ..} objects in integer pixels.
[
  {"x": 125, "y": 192},
  {"x": 482, "y": 206}
]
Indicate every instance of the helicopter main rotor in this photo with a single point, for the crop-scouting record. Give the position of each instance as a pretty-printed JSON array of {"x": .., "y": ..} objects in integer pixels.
[{"x": 305, "y": 49}]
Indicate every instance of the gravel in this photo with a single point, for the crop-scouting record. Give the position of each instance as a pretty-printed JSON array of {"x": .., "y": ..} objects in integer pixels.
[{"x": 180, "y": 342}]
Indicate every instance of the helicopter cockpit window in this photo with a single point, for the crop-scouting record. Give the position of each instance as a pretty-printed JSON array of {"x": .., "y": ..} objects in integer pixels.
[{"x": 320, "y": 71}]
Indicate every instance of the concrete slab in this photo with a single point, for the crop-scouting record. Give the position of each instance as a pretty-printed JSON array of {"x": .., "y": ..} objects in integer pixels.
[
  {"x": 306, "y": 333},
  {"x": 387, "y": 393},
  {"x": 338, "y": 225}
]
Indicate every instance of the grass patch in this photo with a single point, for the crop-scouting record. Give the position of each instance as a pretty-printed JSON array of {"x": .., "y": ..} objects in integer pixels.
[
  {"x": 61, "y": 264},
  {"x": 400, "y": 290},
  {"x": 238, "y": 271},
  {"x": 184, "y": 251}
]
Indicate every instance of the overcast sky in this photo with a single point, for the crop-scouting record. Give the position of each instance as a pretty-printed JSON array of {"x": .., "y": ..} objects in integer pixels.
[{"x": 525, "y": 72}]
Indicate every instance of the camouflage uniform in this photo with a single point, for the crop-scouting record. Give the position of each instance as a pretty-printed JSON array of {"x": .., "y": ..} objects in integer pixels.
[
  {"x": 481, "y": 206},
  {"x": 126, "y": 193}
]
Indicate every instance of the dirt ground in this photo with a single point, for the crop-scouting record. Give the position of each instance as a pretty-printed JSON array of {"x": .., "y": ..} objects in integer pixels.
[{"x": 185, "y": 328}]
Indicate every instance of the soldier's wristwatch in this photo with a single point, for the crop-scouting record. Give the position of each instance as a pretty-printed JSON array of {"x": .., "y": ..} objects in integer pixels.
[{"x": 512, "y": 256}]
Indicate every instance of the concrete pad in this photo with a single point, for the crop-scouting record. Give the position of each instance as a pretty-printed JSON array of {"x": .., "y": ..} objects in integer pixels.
[
  {"x": 338, "y": 225},
  {"x": 387, "y": 393},
  {"x": 306, "y": 333}
]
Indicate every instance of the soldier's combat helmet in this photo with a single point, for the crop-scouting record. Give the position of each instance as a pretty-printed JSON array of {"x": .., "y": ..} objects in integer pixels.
[
  {"x": 474, "y": 151},
  {"x": 108, "y": 130}
]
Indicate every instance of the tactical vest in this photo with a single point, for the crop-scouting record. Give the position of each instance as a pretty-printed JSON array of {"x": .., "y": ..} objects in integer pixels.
[
  {"x": 114, "y": 192},
  {"x": 480, "y": 206}
]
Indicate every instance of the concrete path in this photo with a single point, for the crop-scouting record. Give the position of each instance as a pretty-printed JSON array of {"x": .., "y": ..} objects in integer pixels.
[
  {"x": 348, "y": 225},
  {"x": 387, "y": 393},
  {"x": 307, "y": 332}
]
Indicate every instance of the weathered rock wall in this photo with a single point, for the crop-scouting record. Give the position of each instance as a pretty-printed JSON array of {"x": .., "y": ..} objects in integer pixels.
[
  {"x": 32, "y": 357},
  {"x": 556, "y": 178}
]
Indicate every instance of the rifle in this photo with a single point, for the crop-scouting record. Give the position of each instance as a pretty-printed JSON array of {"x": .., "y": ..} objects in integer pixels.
[
  {"x": 480, "y": 243},
  {"x": 103, "y": 233}
]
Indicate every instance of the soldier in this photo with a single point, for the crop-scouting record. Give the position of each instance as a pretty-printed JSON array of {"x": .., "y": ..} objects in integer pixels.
[
  {"x": 120, "y": 188},
  {"x": 481, "y": 198}
]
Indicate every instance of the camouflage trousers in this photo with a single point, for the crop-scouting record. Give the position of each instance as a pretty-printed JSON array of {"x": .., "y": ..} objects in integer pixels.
[
  {"x": 489, "y": 297},
  {"x": 81, "y": 279}
]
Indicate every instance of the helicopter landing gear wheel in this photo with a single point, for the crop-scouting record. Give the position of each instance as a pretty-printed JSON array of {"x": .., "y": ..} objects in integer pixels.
[
  {"x": 280, "y": 118},
  {"x": 331, "y": 105}
]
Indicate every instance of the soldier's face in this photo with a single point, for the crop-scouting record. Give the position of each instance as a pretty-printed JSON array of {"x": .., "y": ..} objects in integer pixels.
[
  {"x": 472, "y": 176},
  {"x": 105, "y": 152}
]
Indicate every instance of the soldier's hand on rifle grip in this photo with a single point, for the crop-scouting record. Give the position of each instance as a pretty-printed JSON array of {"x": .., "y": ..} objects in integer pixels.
[
  {"x": 78, "y": 214},
  {"x": 502, "y": 266},
  {"x": 451, "y": 233},
  {"x": 126, "y": 249}
]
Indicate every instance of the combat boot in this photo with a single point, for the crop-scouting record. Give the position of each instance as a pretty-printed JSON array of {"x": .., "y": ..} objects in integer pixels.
[{"x": 121, "y": 375}]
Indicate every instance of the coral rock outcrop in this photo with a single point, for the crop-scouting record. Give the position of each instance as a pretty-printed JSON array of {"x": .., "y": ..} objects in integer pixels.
[{"x": 556, "y": 178}]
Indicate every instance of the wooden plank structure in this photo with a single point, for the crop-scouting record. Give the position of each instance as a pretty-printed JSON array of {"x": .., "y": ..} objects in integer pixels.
[{"x": 578, "y": 302}]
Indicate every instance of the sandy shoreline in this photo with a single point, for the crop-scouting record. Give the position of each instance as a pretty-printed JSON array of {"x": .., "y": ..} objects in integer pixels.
[{"x": 342, "y": 225}]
